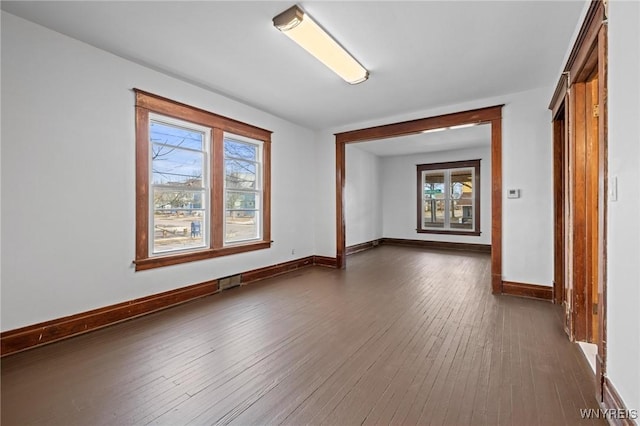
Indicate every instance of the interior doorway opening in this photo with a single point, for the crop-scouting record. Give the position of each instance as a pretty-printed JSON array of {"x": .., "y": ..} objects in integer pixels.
[
  {"x": 579, "y": 111},
  {"x": 490, "y": 115}
]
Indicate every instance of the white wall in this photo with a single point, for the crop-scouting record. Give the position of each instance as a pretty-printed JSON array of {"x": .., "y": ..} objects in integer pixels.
[
  {"x": 399, "y": 194},
  {"x": 623, "y": 239},
  {"x": 363, "y": 196},
  {"x": 527, "y": 232},
  {"x": 68, "y": 179}
]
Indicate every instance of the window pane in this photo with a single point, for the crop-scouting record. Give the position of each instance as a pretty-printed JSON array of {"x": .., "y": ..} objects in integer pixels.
[
  {"x": 175, "y": 166},
  {"x": 241, "y": 225},
  {"x": 461, "y": 184},
  {"x": 242, "y": 150},
  {"x": 241, "y": 218},
  {"x": 241, "y": 200},
  {"x": 170, "y": 199},
  {"x": 240, "y": 174},
  {"x": 178, "y": 220},
  {"x": 461, "y": 214},
  {"x": 434, "y": 213},
  {"x": 434, "y": 185},
  {"x": 461, "y": 199},
  {"x": 176, "y": 136}
]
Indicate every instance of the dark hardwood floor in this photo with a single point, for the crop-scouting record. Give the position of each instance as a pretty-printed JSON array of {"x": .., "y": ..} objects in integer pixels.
[{"x": 403, "y": 336}]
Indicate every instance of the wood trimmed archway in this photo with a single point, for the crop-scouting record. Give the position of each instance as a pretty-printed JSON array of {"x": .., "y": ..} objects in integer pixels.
[{"x": 490, "y": 115}]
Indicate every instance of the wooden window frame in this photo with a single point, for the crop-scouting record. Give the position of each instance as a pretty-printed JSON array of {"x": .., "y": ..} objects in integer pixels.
[
  {"x": 147, "y": 103},
  {"x": 449, "y": 166}
]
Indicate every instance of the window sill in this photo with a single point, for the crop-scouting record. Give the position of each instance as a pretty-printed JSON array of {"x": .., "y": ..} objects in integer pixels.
[
  {"x": 448, "y": 232},
  {"x": 175, "y": 259}
]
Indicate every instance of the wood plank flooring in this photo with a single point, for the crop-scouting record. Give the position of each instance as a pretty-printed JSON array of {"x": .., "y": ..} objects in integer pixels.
[{"x": 403, "y": 336}]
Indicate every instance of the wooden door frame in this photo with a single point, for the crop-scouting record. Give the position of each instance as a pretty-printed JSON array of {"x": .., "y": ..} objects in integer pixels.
[
  {"x": 589, "y": 55},
  {"x": 559, "y": 211},
  {"x": 489, "y": 115}
]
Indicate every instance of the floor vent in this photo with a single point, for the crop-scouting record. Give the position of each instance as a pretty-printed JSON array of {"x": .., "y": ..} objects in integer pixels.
[{"x": 229, "y": 282}]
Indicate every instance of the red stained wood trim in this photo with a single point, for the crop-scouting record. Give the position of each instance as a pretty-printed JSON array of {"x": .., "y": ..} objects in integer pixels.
[
  {"x": 496, "y": 205},
  {"x": 581, "y": 49},
  {"x": 579, "y": 203},
  {"x": 174, "y": 259},
  {"x": 266, "y": 193},
  {"x": 142, "y": 184},
  {"x": 611, "y": 401},
  {"x": 558, "y": 203},
  {"x": 481, "y": 115},
  {"x": 273, "y": 270},
  {"x": 603, "y": 186},
  {"x": 50, "y": 331},
  {"x": 357, "y": 248},
  {"x": 581, "y": 59},
  {"x": 340, "y": 203},
  {"x": 330, "y": 262},
  {"x": 217, "y": 188},
  {"x": 533, "y": 291},
  {"x": 182, "y": 111},
  {"x": 558, "y": 99},
  {"x": 438, "y": 245}
]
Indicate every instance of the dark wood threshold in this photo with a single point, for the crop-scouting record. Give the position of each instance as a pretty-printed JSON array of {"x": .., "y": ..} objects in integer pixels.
[
  {"x": 356, "y": 248},
  {"x": 443, "y": 245},
  {"x": 614, "y": 409},
  {"x": 532, "y": 291},
  {"x": 31, "y": 336}
]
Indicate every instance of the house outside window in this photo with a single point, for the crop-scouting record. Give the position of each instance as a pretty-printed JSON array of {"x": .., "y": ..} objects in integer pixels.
[{"x": 448, "y": 198}]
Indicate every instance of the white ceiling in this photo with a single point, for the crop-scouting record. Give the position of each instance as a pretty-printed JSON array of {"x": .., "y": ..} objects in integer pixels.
[
  {"x": 421, "y": 54},
  {"x": 447, "y": 140}
]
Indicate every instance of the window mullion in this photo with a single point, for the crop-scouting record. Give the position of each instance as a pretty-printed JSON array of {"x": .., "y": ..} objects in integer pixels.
[
  {"x": 447, "y": 199},
  {"x": 217, "y": 188}
]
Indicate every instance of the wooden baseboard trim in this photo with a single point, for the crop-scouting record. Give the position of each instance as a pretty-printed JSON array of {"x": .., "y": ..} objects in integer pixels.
[
  {"x": 533, "y": 291},
  {"x": 330, "y": 262},
  {"x": 278, "y": 269},
  {"x": 440, "y": 245},
  {"x": 614, "y": 409},
  {"x": 31, "y": 336},
  {"x": 357, "y": 248}
]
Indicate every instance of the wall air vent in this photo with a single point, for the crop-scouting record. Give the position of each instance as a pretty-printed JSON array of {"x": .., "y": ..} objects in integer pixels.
[{"x": 230, "y": 282}]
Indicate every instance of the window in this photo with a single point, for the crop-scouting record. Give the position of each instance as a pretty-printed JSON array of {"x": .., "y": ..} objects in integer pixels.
[
  {"x": 202, "y": 184},
  {"x": 242, "y": 192},
  {"x": 449, "y": 198}
]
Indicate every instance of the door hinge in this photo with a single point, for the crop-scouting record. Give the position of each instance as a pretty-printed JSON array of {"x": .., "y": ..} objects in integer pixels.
[
  {"x": 596, "y": 110},
  {"x": 595, "y": 309}
]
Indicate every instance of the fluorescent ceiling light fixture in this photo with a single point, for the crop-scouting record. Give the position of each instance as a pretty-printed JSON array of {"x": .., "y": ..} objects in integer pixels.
[
  {"x": 462, "y": 126},
  {"x": 299, "y": 26},
  {"x": 439, "y": 129}
]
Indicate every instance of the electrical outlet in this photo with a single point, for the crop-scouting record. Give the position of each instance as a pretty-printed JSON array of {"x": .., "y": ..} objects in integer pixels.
[{"x": 293, "y": 251}]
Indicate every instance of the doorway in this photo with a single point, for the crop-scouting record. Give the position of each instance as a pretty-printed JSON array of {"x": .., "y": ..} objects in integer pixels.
[
  {"x": 579, "y": 114},
  {"x": 490, "y": 115}
]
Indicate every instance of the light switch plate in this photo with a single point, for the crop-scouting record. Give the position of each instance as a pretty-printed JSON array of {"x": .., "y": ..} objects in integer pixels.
[{"x": 613, "y": 188}]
